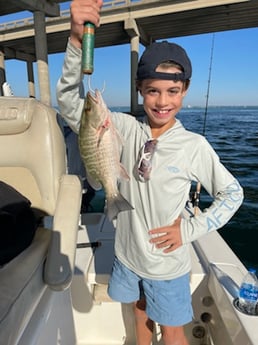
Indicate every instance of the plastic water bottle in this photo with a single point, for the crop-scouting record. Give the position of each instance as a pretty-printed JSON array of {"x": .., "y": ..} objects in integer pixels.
[{"x": 248, "y": 293}]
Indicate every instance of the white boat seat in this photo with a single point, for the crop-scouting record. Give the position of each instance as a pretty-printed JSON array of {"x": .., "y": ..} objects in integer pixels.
[{"x": 33, "y": 161}]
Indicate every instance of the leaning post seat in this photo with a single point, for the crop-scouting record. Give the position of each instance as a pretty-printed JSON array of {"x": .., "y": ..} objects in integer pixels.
[{"x": 33, "y": 161}]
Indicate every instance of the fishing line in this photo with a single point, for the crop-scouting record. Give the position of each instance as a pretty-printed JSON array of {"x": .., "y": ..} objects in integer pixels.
[{"x": 196, "y": 197}]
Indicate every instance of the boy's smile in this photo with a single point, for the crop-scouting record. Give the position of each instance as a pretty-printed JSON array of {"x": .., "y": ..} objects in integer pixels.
[{"x": 162, "y": 100}]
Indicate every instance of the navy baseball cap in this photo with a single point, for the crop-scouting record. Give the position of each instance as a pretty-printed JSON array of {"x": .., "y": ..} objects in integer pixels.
[{"x": 159, "y": 52}]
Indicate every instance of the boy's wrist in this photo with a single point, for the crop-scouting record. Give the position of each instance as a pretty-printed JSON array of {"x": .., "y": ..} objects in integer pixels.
[
  {"x": 75, "y": 41},
  {"x": 73, "y": 49}
]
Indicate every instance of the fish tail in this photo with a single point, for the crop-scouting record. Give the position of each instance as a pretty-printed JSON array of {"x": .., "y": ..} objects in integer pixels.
[{"x": 117, "y": 204}]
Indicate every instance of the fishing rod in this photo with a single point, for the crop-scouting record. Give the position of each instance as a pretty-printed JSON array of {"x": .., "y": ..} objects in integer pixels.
[
  {"x": 196, "y": 196},
  {"x": 88, "y": 41},
  {"x": 208, "y": 87}
]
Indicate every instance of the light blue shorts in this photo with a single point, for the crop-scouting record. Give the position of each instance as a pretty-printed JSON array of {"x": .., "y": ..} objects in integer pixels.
[{"x": 168, "y": 302}]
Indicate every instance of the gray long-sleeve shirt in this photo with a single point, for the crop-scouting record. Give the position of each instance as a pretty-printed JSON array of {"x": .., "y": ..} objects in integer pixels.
[{"x": 180, "y": 158}]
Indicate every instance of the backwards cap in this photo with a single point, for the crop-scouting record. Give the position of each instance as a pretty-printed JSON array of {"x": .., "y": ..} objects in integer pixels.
[{"x": 159, "y": 52}]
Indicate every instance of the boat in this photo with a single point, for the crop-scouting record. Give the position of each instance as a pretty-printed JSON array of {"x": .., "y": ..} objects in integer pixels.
[{"x": 55, "y": 291}]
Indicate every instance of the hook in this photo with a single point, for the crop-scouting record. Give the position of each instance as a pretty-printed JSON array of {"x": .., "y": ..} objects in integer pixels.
[{"x": 90, "y": 88}]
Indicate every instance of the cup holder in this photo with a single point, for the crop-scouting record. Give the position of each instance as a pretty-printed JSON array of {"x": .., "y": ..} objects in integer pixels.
[{"x": 242, "y": 309}]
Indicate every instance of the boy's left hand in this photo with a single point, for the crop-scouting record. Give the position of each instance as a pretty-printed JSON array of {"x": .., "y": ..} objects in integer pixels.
[{"x": 168, "y": 237}]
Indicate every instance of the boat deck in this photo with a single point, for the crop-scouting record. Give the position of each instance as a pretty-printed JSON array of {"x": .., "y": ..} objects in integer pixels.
[{"x": 84, "y": 314}]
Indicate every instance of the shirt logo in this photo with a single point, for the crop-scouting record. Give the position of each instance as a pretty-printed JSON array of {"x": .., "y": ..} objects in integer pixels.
[{"x": 172, "y": 169}]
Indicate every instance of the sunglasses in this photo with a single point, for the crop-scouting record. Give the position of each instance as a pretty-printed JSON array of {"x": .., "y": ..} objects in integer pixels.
[{"x": 145, "y": 160}]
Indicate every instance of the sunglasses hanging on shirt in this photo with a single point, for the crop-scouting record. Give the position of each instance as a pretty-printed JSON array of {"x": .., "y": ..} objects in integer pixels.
[{"x": 145, "y": 159}]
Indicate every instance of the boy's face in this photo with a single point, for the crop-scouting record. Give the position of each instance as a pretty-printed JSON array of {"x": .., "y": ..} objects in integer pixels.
[{"x": 162, "y": 100}]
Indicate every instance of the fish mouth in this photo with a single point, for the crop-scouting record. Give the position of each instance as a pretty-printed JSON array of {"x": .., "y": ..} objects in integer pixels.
[{"x": 92, "y": 96}]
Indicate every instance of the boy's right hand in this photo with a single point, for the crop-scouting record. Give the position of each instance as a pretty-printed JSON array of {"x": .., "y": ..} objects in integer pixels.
[{"x": 83, "y": 11}]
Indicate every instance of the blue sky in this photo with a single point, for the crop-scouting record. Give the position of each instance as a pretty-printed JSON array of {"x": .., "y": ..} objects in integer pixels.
[{"x": 234, "y": 73}]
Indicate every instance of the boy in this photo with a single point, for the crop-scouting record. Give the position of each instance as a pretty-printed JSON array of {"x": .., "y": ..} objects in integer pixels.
[{"x": 152, "y": 263}]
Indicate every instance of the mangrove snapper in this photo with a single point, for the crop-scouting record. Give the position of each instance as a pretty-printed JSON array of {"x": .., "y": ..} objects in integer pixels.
[{"x": 100, "y": 145}]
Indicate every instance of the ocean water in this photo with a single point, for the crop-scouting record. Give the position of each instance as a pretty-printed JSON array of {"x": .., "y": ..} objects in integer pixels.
[{"x": 233, "y": 133}]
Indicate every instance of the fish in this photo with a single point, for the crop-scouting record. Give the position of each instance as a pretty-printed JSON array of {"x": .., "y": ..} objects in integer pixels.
[{"x": 100, "y": 146}]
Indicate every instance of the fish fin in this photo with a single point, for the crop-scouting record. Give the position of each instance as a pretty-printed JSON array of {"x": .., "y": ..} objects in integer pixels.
[
  {"x": 93, "y": 183},
  {"x": 102, "y": 130},
  {"x": 117, "y": 204}
]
